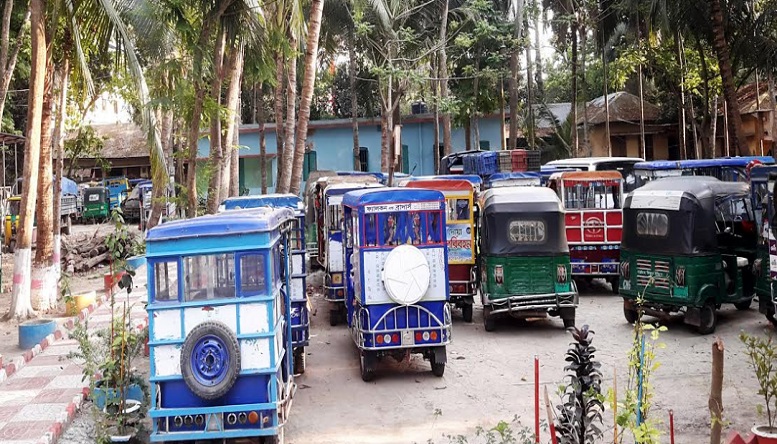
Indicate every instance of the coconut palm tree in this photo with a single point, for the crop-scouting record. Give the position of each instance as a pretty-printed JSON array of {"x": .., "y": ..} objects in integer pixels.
[
  {"x": 21, "y": 307},
  {"x": 308, "y": 82}
]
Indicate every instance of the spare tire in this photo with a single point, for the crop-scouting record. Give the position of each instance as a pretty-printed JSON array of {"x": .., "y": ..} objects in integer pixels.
[
  {"x": 406, "y": 275},
  {"x": 210, "y": 360}
]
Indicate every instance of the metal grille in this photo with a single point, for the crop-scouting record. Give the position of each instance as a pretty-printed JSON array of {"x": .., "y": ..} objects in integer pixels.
[
  {"x": 532, "y": 301},
  {"x": 658, "y": 271},
  {"x": 662, "y": 268},
  {"x": 644, "y": 271}
]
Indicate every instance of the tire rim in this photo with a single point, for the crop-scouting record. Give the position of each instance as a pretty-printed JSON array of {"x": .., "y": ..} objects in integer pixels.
[{"x": 210, "y": 360}]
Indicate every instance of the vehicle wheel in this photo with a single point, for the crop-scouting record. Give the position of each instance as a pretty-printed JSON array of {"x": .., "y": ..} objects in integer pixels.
[
  {"x": 569, "y": 323},
  {"x": 334, "y": 317},
  {"x": 744, "y": 305},
  {"x": 12, "y": 246},
  {"x": 629, "y": 313},
  {"x": 708, "y": 317},
  {"x": 466, "y": 312},
  {"x": 299, "y": 360},
  {"x": 367, "y": 366},
  {"x": 488, "y": 320},
  {"x": 614, "y": 281},
  {"x": 438, "y": 368},
  {"x": 210, "y": 360}
]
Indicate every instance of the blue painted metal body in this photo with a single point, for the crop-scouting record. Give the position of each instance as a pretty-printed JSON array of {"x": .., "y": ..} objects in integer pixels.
[
  {"x": 513, "y": 179},
  {"x": 300, "y": 316},
  {"x": 475, "y": 180},
  {"x": 369, "y": 322},
  {"x": 257, "y": 278},
  {"x": 729, "y": 169},
  {"x": 382, "y": 177},
  {"x": 117, "y": 186}
]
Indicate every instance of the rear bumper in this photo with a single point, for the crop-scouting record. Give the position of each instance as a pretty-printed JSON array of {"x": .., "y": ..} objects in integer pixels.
[
  {"x": 365, "y": 338},
  {"x": 532, "y": 302}
]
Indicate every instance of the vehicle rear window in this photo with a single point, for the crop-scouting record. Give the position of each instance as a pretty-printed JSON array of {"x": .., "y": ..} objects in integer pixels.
[
  {"x": 526, "y": 232},
  {"x": 209, "y": 277},
  {"x": 252, "y": 275},
  {"x": 652, "y": 224},
  {"x": 166, "y": 281}
]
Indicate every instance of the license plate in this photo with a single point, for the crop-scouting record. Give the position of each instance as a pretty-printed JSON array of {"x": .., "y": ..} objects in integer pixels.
[{"x": 407, "y": 337}]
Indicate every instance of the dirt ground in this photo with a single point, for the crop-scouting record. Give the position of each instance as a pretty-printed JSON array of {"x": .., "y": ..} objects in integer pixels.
[
  {"x": 489, "y": 378},
  {"x": 79, "y": 283}
]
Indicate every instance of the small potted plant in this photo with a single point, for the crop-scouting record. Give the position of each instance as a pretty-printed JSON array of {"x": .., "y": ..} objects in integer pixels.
[{"x": 762, "y": 353}]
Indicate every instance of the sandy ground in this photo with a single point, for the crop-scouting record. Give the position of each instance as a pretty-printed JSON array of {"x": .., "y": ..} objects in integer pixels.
[
  {"x": 489, "y": 378},
  {"x": 79, "y": 283}
]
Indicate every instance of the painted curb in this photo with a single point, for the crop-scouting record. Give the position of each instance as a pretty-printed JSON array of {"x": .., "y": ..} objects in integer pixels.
[
  {"x": 14, "y": 364},
  {"x": 64, "y": 419}
]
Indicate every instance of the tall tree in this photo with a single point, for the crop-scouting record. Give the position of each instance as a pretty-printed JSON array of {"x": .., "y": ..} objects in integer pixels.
[
  {"x": 8, "y": 55},
  {"x": 442, "y": 61},
  {"x": 512, "y": 84},
  {"x": 21, "y": 307},
  {"x": 216, "y": 149},
  {"x": 308, "y": 82}
]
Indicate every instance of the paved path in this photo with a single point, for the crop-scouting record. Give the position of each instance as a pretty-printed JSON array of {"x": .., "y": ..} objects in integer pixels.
[{"x": 40, "y": 399}]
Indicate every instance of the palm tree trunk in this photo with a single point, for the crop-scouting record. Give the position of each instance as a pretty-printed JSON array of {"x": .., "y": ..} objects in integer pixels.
[
  {"x": 773, "y": 113},
  {"x": 8, "y": 63},
  {"x": 59, "y": 145},
  {"x": 722, "y": 50},
  {"x": 216, "y": 148},
  {"x": 475, "y": 108},
  {"x": 262, "y": 141},
  {"x": 512, "y": 83},
  {"x": 447, "y": 139},
  {"x": 235, "y": 74},
  {"x": 435, "y": 93},
  {"x": 583, "y": 43},
  {"x": 308, "y": 82},
  {"x": 280, "y": 86},
  {"x": 575, "y": 142},
  {"x": 529, "y": 93},
  {"x": 42, "y": 267},
  {"x": 538, "y": 53},
  {"x": 291, "y": 110},
  {"x": 21, "y": 307},
  {"x": 354, "y": 99},
  {"x": 384, "y": 140}
]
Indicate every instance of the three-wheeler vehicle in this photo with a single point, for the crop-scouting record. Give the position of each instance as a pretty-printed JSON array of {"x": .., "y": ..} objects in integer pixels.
[
  {"x": 524, "y": 256},
  {"x": 475, "y": 180},
  {"x": 594, "y": 221},
  {"x": 688, "y": 246},
  {"x": 96, "y": 204},
  {"x": 300, "y": 310},
  {"x": 331, "y": 253},
  {"x": 397, "y": 285},
  {"x": 317, "y": 259},
  {"x": 461, "y": 216},
  {"x": 762, "y": 179},
  {"x": 525, "y": 179},
  {"x": 728, "y": 169},
  {"x": 220, "y": 326}
]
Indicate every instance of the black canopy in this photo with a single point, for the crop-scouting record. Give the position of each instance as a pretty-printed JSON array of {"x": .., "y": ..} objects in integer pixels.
[{"x": 676, "y": 215}]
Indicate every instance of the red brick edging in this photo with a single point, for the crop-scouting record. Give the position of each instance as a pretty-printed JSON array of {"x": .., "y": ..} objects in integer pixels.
[
  {"x": 7, "y": 369},
  {"x": 65, "y": 418}
]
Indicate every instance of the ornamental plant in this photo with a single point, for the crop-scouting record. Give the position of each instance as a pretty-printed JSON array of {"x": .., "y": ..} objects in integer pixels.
[{"x": 762, "y": 354}]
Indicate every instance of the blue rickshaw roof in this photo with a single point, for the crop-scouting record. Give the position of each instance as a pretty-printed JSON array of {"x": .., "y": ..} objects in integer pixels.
[
  {"x": 390, "y": 195},
  {"x": 761, "y": 172},
  {"x": 742, "y": 161},
  {"x": 223, "y": 224},
  {"x": 515, "y": 175},
  {"x": 471, "y": 178},
  {"x": 286, "y": 200}
]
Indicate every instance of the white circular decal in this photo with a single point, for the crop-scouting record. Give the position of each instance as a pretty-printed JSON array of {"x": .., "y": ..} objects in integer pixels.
[{"x": 406, "y": 275}]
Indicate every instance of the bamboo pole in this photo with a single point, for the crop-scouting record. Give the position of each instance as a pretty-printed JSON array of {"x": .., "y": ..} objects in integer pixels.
[
  {"x": 551, "y": 423},
  {"x": 716, "y": 391}
]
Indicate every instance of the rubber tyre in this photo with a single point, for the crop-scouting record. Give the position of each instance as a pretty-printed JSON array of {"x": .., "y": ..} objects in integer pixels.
[
  {"x": 630, "y": 314},
  {"x": 489, "y": 323},
  {"x": 466, "y": 312},
  {"x": 300, "y": 358},
  {"x": 438, "y": 368},
  {"x": 569, "y": 323},
  {"x": 231, "y": 350},
  {"x": 366, "y": 366},
  {"x": 745, "y": 305},
  {"x": 12, "y": 246},
  {"x": 614, "y": 282},
  {"x": 709, "y": 319},
  {"x": 334, "y": 317}
]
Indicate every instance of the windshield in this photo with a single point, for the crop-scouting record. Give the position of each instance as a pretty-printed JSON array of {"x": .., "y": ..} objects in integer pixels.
[
  {"x": 13, "y": 207},
  {"x": 395, "y": 228},
  {"x": 580, "y": 195},
  {"x": 458, "y": 209}
]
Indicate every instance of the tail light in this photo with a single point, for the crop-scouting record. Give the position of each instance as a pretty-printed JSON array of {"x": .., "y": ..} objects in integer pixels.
[
  {"x": 679, "y": 276},
  {"x": 253, "y": 417},
  {"x": 561, "y": 274},
  {"x": 625, "y": 270}
]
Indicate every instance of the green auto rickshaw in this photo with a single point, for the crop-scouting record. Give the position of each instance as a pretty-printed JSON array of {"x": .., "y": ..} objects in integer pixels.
[
  {"x": 524, "y": 257},
  {"x": 688, "y": 247},
  {"x": 96, "y": 204}
]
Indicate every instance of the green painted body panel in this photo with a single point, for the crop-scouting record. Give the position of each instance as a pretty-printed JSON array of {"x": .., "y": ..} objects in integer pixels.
[
  {"x": 704, "y": 278},
  {"x": 762, "y": 282},
  {"x": 95, "y": 211},
  {"x": 524, "y": 275}
]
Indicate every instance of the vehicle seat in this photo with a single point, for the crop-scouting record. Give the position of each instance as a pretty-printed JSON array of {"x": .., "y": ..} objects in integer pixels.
[{"x": 742, "y": 262}]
